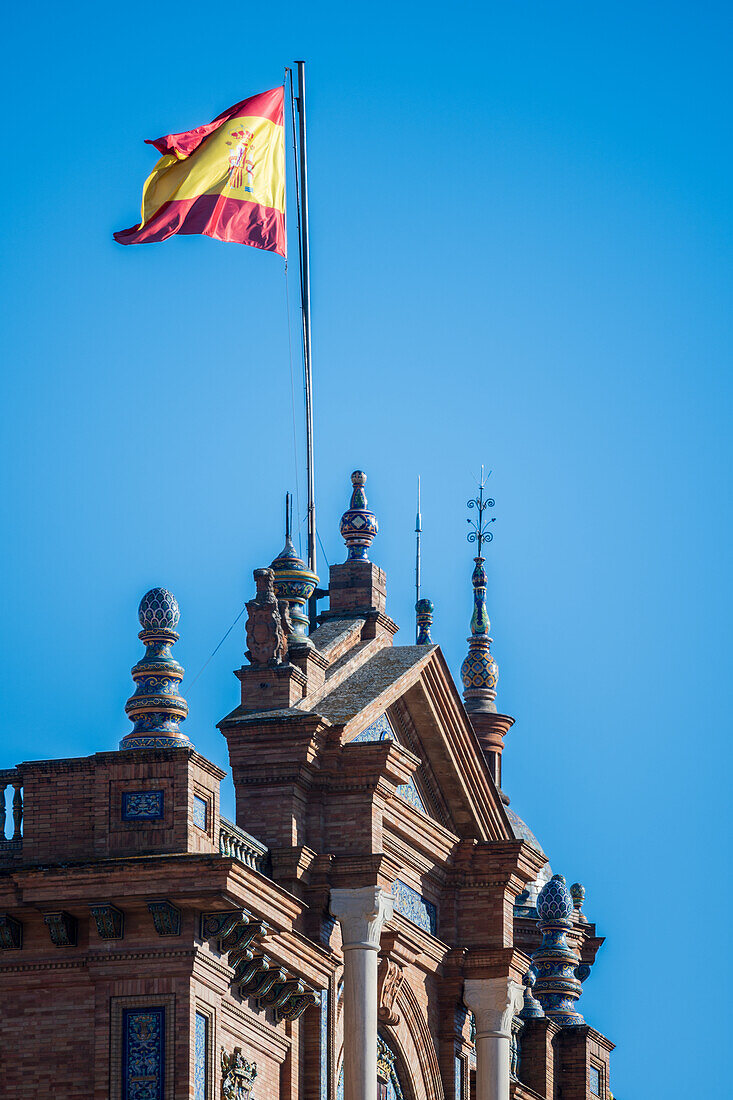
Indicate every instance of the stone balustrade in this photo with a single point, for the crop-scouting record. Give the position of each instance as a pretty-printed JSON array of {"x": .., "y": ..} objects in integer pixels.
[
  {"x": 10, "y": 778},
  {"x": 236, "y": 844}
]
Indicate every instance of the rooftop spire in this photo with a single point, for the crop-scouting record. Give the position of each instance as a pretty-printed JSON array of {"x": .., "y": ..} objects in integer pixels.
[
  {"x": 156, "y": 708},
  {"x": 479, "y": 671},
  {"x": 294, "y": 583}
]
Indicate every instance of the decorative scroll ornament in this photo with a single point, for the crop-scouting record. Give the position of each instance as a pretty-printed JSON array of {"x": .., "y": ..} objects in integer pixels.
[
  {"x": 11, "y": 933},
  {"x": 237, "y": 1075},
  {"x": 390, "y": 977},
  {"x": 110, "y": 921},
  {"x": 156, "y": 708},
  {"x": 166, "y": 917},
  {"x": 255, "y": 975},
  {"x": 266, "y": 634},
  {"x": 62, "y": 928}
]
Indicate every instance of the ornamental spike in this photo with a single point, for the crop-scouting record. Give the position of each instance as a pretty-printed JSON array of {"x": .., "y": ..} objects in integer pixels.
[{"x": 479, "y": 671}]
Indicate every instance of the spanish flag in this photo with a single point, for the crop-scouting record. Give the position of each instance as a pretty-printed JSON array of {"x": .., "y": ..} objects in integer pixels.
[{"x": 225, "y": 180}]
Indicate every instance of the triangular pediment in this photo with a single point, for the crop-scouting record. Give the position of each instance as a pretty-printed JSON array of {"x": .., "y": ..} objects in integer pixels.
[
  {"x": 383, "y": 729},
  {"x": 407, "y": 694}
]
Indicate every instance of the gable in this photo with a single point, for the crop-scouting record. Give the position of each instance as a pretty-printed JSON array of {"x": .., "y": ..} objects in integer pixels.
[
  {"x": 383, "y": 730},
  {"x": 407, "y": 694}
]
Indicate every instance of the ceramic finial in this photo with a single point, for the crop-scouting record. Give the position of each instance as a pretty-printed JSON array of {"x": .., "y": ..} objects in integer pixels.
[
  {"x": 358, "y": 525},
  {"x": 156, "y": 708}
]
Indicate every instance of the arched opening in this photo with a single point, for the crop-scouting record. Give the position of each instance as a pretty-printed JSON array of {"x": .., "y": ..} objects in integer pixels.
[{"x": 389, "y": 1086}]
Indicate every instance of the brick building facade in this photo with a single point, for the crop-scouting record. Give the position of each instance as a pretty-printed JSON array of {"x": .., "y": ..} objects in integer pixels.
[{"x": 377, "y": 924}]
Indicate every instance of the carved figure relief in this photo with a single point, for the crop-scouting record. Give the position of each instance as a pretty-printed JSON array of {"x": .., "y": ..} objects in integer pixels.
[
  {"x": 237, "y": 1075},
  {"x": 266, "y": 639}
]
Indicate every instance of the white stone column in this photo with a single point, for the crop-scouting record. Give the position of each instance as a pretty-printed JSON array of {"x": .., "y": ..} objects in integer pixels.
[
  {"x": 361, "y": 913},
  {"x": 493, "y": 1001}
]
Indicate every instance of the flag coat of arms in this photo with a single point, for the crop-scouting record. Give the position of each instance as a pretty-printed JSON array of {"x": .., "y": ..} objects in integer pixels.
[{"x": 225, "y": 179}]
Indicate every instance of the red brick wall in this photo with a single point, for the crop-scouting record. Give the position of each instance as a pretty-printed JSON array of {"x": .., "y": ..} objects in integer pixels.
[{"x": 73, "y": 808}]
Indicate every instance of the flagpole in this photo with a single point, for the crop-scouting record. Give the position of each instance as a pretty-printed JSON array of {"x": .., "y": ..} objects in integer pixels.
[
  {"x": 418, "y": 533},
  {"x": 305, "y": 293}
]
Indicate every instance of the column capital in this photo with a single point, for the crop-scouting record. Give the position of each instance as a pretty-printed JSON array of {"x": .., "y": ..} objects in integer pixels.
[
  {"x": 493, "y": 1001},
  {"x": 361, "y": 913}
]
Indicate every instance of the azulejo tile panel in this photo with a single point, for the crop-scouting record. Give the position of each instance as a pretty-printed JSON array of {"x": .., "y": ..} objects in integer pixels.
[
  {"x": 380, "y": 730},
  {"x": 201, "y": 1057},
  {"x": 143, "y": 1053},
  {"x": 415, "y": 907},
  {"x": 200, "y": 812},
  {"x": 142, "y": 805},
  {"x": 324, "y": 1045},
  {"x": 409, "y": 792}
]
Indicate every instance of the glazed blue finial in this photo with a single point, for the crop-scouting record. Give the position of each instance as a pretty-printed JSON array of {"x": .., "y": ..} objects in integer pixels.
[
  {"x": 479, "y": 671},
  {"x": 294, "y": 583},
  {"x": 358, "y": 525},
  {"x": 531, "y": 1009},
  {"x": 577, "y": 893},
  {"x": 555, "y": 962},
  {"x": 156, "y": 708},
  {"x": 424, "y": 614}
]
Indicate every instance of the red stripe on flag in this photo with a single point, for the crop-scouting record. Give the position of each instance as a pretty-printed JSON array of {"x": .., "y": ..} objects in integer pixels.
[
  {"x": 237, "y": 221},
  {"x": 264, "y": 105}
]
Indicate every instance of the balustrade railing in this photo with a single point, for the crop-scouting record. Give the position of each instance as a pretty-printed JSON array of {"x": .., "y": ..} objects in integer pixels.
[
  {"x": 10, "y": 778},
  {"x": 237, "y": 844}
]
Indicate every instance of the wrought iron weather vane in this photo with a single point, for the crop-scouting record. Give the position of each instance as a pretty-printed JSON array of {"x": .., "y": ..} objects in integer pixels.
[{"x": 480, "y": 532}]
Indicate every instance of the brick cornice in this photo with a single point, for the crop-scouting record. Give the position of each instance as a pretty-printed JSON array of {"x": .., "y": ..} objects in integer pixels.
[
  {"x": 200, "y": 881},
  {"x": 485, "y": 962},
  {"x": 91, "y": 960}
]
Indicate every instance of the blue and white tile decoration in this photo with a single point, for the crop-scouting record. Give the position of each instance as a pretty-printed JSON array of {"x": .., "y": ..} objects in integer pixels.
[
  {"x": 142, "y": 805},
  {"x": 459, "y": 1078},
  {"x": 408, "y": 792},
  {"x": 415, "y": 907},
  {"x": 200, "y": 812},
  {"x": 143, "y": 1054},
  {"x": 381, "y": 730},
  {"x": 201, "y": 1057},
  {"x": 324, "y": 1044}
]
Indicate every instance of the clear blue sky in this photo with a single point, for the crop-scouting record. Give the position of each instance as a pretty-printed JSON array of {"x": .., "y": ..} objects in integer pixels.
[{"x": 521, "y": 225}]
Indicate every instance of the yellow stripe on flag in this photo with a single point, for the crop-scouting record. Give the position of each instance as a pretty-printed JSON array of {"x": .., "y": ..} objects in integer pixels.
[{"x": 259, "y": 175}]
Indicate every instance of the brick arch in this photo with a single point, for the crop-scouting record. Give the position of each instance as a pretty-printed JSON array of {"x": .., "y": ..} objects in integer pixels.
[{"x": 418, "y": 1065}]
